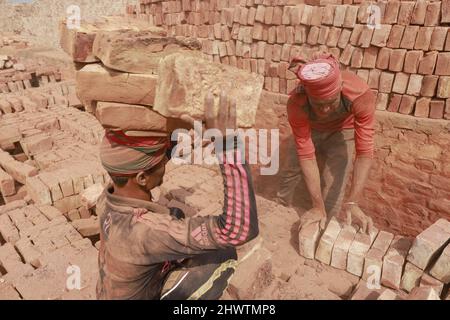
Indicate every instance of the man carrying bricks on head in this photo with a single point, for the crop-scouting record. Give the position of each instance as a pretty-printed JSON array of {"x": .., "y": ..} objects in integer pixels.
[
  {"x": 152, "y": 252},
  {"x": 331, "y": 113}
]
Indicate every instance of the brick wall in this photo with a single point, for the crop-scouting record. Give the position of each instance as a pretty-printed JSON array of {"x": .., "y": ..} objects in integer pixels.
[{"x": 406, "y": 62}]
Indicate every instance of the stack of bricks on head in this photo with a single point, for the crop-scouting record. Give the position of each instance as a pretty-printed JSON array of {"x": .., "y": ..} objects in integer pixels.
[
  {"x": 389, "y": 265},
  {"x": 406, "y": 61}
]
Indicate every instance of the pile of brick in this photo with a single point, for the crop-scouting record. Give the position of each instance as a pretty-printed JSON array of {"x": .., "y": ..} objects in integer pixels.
[
  {"x": 19, "y": 76},
  {"x": 37, "y": 249},
  {"x": 406, "y": 61},
  {"x": 398, "y": 263},
  {"x": 12, "y": 40},
  {"x": 142, "y": 76}
]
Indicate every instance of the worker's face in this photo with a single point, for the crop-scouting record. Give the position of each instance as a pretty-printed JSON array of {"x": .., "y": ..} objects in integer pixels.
[
  {"x": 325, "y": 107},
  {"x": 154, "y": 177}
]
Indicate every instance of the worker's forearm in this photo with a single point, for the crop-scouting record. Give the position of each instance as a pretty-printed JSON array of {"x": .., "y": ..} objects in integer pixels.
[
  {"x": 360, "y": 173},
  {"x": 312, "y": 179}
]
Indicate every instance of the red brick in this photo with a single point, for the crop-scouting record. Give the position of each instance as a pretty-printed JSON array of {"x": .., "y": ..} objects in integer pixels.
[
  {"x": 428, "y": 62},
  {"x": 366, "y": 37},
  {"x": 328, "y": 14},
  {"x": 347, "y": 55},
  {"x": 277, "y": 15},
  {"x": 363, "y": 13},
  {"x": 423, "y": 38},
  {"x": 286, "y": 17},
  {"x": 251, "y": 16},
  {"x": 260, "y": 13},
  {"x": 357, "y": 58},
  {"x": 276, "y": 52},
  {"x": 316, "y": 19},
  {"x": 272, "y": 36},
  {"x": 290, "y": 37},
  {"x": 275, "y": 85},
  {"x": 268, "y": 15},
  {"x": 350, "y": 17},
  {"x": 391, "y": 13},
  {"x": 300, "y": 34},
  {"x": 422, "y": 109},
  {"x": 443, "y": 64},
  {"x": 333, "y": 37},
  {"x": 273, "y": 70},
  {"x": 405, "y": 13},
  {"x": 433, "y": 14},
  {"x": 447, "y": 109},
  {"x": 383, "y": 58},
  {"x": 414, "y": 85},
  {"x": 268, "y": 53},
  {"x": 296, "y": 14},
  {"x": 394, "y": 103},
  {"x": 285, "y": 52},
  {"x": 380, "y": 36},
  {"x": 281, "y": 34},
  {"x": 313, "y": 35},
  {"x": 407, "y": 104},
  {"x": 420, "y": 10},
  {"x": 412, "y": 59},
  {"x": 400, "y": 82},
  {"x": 282, "y": 69},
  {"x": 356, "y": 34},
  {"x": 370, "y": 57},
  {"x": 323, "y": 35},
  {"x": 339, "y": 15},
  {"x": 243, "y": 18},
  {"x": 429, "y": 84},
  {"x": 382, "y": 101},
  {"x": 257, "y": 31},
  {"x": 445, "y": 18},
  {"x": 443, "y": 90},
  {"x": 396, "y": 35},
  {"x": 344, "y": 38},
  {"x": 386, "y": 81},
  {"x": 397, "y": 60},
  {"x": 374, "y": 78},
  {"x": 307, "y": 15},
  {"x": 336, "y": 52},
  {"x": 437, "y": 109},
  {"x": 409, "y": 37},
  {"x": 438, "y": 38}
]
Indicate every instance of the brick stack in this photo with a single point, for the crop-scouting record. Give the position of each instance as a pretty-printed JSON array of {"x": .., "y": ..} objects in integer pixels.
[
  {"x": 406, "y": 61},
  {"x": 395, "y": 262}
]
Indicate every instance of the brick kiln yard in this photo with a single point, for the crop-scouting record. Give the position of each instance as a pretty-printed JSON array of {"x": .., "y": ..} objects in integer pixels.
[{"x": 50, "y": 174}]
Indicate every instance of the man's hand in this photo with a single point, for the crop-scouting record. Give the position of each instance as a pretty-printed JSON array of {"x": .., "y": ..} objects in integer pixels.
[
  {"x": 353, "y": 212},
  {"x": 312, "y": 216}
]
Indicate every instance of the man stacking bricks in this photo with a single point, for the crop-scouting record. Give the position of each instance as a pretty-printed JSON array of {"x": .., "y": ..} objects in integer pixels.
[
  {"x": 331, "y": 113},
  {"x": 152, "y": 252}
]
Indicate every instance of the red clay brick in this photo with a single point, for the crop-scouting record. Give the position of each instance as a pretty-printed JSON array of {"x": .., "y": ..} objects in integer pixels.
[
  {"x": 447, "y": 110},
  {"x": 286, "y": 18},
  {"x": 296, "y": 14},
  {"x": 316, "y": 19},
  {"x": 382, "y": 101},
  {"x": 366, "y": 37},
  {"x": 383, "y": 58},
  {"x": 260, "y": 13},
  {"x": 347, "y": 55},
  {"x": 422, "y": 109},
  {"x": 277, "y": 15},
  {"x": 290, "y": 34},
  {"x": 443, "y": 89},
  {"x": 400, "y": 82},
  {"x": 407, "y": 104},
  {"x": 281, "y": 34},
  {"x": 443, "y": 64},
  {"x": 414, "y": 85},
  {"x": 438, "y": 38},
  {"x": 370, "y": 57},
  {"x": 394, "y": 102},
  {"x": 395, "y": 37},
  {"x": 428, "y": 62},
  {"x": 420, "y": 10},
  {"x": 363, "y": 74},
  {"x": 429, "y": 84},
  {"x": 409, "y": 37},
  {"x": 405, "y": 13},
  {"x": 412, "y": 59},
  {"x": 357, "y": 58},
  {"x": 356, "y": 34},
  {"x": 433, "y": 14},
  {"x": 344, "y": 38},
  {"x": 328, "y": 14},
  {"x": 380, "y": 36},
  {"x": 339, "y": 15},
  {"x": 350, "y": 17},
  {"x": 374, "y": 78},
  {"x": 268, "y": 15},
  {"x": 307, "y": 15},
  {"x": 445, "y": 18},
  {"x": 323, "y": 35},
  {"x": 333, "y": 37},
  {"x": 386, "y": 81},
  {"x": 437, "y": 109},
  {"x": 391, "y": 13},
  {"x": 423, "y": 39},
  {"x": 397, "y": 60}
]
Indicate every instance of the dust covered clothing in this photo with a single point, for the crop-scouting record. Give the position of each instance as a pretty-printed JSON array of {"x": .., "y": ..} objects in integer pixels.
[{"x": 141, "y": 242}]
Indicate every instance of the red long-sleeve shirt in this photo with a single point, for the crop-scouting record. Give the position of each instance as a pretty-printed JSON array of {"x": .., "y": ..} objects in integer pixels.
[{"x": 357, "y": 110}]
